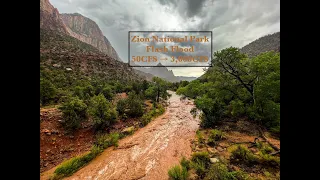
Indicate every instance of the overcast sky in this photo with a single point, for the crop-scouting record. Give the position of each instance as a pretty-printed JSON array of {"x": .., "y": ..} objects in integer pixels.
[{"x": 232, "y": 22}]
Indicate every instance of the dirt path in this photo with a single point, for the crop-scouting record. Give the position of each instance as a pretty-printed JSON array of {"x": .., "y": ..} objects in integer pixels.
[{"x": 151, "y": 151}]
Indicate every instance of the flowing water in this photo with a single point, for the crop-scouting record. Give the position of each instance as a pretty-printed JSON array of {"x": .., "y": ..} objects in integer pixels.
[{"x": 149, "y": 153}]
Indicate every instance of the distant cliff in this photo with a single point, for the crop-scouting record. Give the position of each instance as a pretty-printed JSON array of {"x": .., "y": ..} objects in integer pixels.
[
  {"x": 89, "y": 32},
  {"x": 50, "y": 18}
]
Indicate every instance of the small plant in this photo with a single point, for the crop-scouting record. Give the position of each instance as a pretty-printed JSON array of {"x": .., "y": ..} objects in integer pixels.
[
  {"x": 185, "y": 163},
  {"x": 178, "y": 173},
  {"x": 269, "y": 160},
  {"x": 214, "y": 136},
  {"x": 219, "y": 171},
  {"x": 107, "y": 140},
  {"x": 243, "y": 154},
  {"x": 200, "y": 161},
  {"x": 200, "y": 137}
]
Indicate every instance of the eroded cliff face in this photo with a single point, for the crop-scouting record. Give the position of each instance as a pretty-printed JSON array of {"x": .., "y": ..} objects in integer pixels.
[
  {"x": 50, "y": 18},
  {"x": 89, "y": 32}
]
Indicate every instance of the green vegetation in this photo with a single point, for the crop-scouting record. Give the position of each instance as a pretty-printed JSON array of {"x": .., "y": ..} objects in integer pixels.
[
  {"x": 156, "y": 111},
  {"x": 214, "y": 136},
  {"x": 244, "y": 155},
  {"x": 238, "y": 86},
  {"x": 178, "y": 173},
  {"x": 102, "y": 112},
  {"x": 219, "y": 171},
  {"x": 72, "y": 165},
  {"x": 200, "y": 161},
  {"x": 74, "y": 112}
]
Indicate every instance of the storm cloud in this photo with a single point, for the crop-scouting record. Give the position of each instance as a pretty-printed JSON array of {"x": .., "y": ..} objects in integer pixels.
[{"x": 232, "y": 22}]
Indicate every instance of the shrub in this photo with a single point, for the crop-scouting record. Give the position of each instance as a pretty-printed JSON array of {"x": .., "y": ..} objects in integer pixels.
[
  {"x": 215, "y": 135},
  {"x": 244, "y": 155},
  {"x": 135, "y": 105},
  {"x": 200, "y": 137},
  {"x": 102, "y": 112},
  {"x": 73, "y": 112},
  {"x": 47, "y": 91},
  {"x": 107, "y": 92},
  {"x": 132, "y": 106},
  {"x": 269, "y": 160},
  {"x": 185, "y": 163},
  {"x": 121, "y": 106},
  {"x": 219, "y": 171},
  {"x": 178, "y": 173},
  {"x": 107, "y": 140},
  {"x": 200, "y": 161}
]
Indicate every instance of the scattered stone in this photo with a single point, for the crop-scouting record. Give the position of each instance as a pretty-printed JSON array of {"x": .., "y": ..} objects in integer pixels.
[
  {"x": 71, "y": 137},
  {"x": 48, "y": 151},
  {"x": 219, "y": 149},
  {"x": 45, "y": 165},
  {"x": 56, "y": 65},
  {"x": 214, "y": 160},
  {"x": 212, "y": 150},
  {"x": 68, "y": 69}
]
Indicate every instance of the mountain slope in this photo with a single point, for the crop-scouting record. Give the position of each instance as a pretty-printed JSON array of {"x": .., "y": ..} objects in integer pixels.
[
  {"x": 60, "y": 51},
  {"x": 266, "y": 43},
  {"x": 89, "y": 32},
  {"x": 50, "y": 18}
]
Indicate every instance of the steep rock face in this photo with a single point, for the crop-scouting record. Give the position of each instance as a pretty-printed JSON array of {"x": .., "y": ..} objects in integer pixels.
[
  {"x": 50, "y": 18},
  {"x": 89, "y": 32}
]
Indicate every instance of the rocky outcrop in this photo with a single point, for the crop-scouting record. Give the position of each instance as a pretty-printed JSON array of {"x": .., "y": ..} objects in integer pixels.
[
  {"x": 50, "y": 18},
  {"x": 89, "y": 32}
]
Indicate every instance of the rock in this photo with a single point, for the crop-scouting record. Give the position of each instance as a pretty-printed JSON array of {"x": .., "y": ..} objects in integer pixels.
[
  {"x": 56, "y": 65},
  {"x": 214, "y": 160},
  {"x": 212, "y": 150},
  {"x": 71, "y": 137},
  {"x": 48, "y": 151},
  {"x": 219, "y": 148},
  {"x": 68, "y": 69}
]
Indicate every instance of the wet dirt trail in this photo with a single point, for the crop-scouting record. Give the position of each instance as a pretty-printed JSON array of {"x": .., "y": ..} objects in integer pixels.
[{"x": 149, "y": 152}]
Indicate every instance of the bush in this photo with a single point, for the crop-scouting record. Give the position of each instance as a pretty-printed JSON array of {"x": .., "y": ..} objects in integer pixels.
[
  {"x": 219, "y": 171},
  {"x": 269, "y": 160},
  {"x": 178, "y": 173},
  {"x": 215, "y": 135},
  {"x": 102, "y": 112},
  {"x": 107, "y": 92},
  {"x": 132, "y": 106},
  {"x": 73, "y": 112},
  {"x": 47, "y": 91},
  {"x": 200, "y": 161},
  {"x": 107, "y": 140},
  {"x": 200, "y": 137},
  {"x": 185, "y": 163},
  {"x": 121, "y": 106},
  {"x": 244, "y": 155}
]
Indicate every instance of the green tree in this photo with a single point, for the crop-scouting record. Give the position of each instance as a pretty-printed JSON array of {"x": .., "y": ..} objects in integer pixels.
[
  {"x": 102, "y": 112},
  {"x": 74, "y": 111},
  {"x": 47, "y": 91}
]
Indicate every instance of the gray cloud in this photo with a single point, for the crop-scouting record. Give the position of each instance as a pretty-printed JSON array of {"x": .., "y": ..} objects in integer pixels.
[{"x": 232, "y": 22}]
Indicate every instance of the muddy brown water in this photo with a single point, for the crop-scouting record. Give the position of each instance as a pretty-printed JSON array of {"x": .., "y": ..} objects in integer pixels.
[{"x": 149, "y": 153}]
